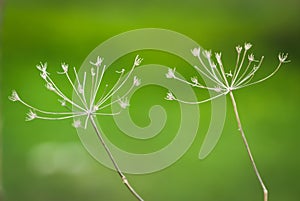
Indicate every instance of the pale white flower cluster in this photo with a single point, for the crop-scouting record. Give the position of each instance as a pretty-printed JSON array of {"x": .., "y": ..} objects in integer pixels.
[
  {"x": 224, "y": 82},
  {"x": 87, "y": 105}
]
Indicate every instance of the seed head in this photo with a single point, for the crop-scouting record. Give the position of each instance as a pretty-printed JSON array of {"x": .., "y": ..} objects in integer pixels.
[
  {"x": 194, "y": 80},
  {"x": 42, "y": 67},
  {"x": 137, "y": 60},
  {"x": 170, "y": 96},
  {"x": 218, "y": 57},
  {"x": 124, "y": 103},
  {"x": 14, "y": 96},
  {"x": 207, "y": 54},
  {"x": 50, "y": 86},
  {"x": 248, "y": 46},
  {"x": 31, "y": 115},
  {"x": 64, "y": 67},
  {"x": 98, "y": 62},
  {"x": 171, "y": 73},
  {"x": 282, "y": 58},
  {"x": 93, "y": 73},
  {"x": 76, "y": 123},
  {"x": 238, "y": 49},
  {"x": 136, "y": 81},
  {"x": 251, "y": 57},
  {"x": 196, "y": 51},
  {"x": 213, "y": 65}
]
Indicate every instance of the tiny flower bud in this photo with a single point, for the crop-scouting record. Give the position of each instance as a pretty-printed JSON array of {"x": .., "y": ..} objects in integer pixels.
[
  {"x": 170, "y": 96},
  {"x": 98, "y": 62},
  {"x": 42, "y": 67},
  {"x": 136, "y": 81},
  {"x": 251, "y": 57},
  {"x": 248, "y": 46},
  {"x": 76, "y": 123},
  {"x": 195, "y": 80},
  {"x": 207, "y": 54},
  {"x": 218, "y": 57},
  {"x": 64, "y": 67},
  {"x": 171, "y": 73},
  {"x": 124, "y": 103},
  {"x": 14, "y": 96},
  {"x": 282, "y": 57},
  {"x": 137, "y": 60},
  {"x": 213, "y": 65},
  {"x": 80, "y": 89},
  {"x": 31, "y": 115},
  {"x": 238, "y": 49},
  {"x": 50, "y": 86},
  {"x": 93, "y": 73},
  {"x": 196, "y": 51}
]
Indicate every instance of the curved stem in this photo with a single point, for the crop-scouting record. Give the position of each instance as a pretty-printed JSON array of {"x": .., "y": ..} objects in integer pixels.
[
  {"x": 123, "y": 177},
  {"x": 247, "y": 147}
]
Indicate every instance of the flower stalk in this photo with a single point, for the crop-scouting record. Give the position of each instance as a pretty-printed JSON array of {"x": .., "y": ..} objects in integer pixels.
[
  {"x": 123, "y": 177},
  {"x": 240, "y": 128}
]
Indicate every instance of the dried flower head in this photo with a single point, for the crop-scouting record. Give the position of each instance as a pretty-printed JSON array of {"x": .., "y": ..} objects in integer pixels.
[
  {"x": 31, "y": 115},
  {"x": 196, "y": 51},
  {"x": 137, "y": 60},
  {"x": 283, "y": 58},
  {"x": 170, "y": 96},
  {"x": 86, "y": 105},
  {"x": 238, "y": 49},
  {"x": 136, "y": 81},
  {"x": 194, "y": 80},
  {"x": 171, "y": 73},
  {"x": 98, "y": 62},
  {"x": 241, "y": 76},
  {"x": 247, "y": 46},
  {"x": 123, "y": 102},
  {"x": 76, "y": 123},
  {"x": 64, "y": 67},
  {"x": 14, "y": 96}
]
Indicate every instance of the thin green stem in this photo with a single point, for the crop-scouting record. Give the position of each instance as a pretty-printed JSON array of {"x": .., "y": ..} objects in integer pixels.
[{"x": 247, "y": 147}]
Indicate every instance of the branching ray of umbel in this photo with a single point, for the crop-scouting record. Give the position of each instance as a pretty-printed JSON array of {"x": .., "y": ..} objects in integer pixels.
[
  {"x": 225, "y": 83},
  {"x": 86, "y": 106}
]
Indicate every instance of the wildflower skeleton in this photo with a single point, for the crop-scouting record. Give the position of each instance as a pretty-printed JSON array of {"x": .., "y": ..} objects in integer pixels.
[
  {"x": 224, "y": 83},
  {"x": 86, "y": 106}
]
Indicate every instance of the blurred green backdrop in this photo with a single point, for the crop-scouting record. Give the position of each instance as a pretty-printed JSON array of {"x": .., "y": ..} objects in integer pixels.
[{"x": 44, "y": 161}]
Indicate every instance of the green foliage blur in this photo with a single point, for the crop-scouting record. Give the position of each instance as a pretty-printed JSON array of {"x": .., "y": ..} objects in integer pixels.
[{"x": 45, "y": 161}]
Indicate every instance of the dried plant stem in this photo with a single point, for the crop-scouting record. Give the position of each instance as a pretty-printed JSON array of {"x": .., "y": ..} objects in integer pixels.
[
  {"x": 247, "y": 147},
  {"x": 123, "y": 177}
]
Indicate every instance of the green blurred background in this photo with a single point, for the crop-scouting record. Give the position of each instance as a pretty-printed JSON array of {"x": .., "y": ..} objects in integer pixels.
[{"x": 44, "y": 161}]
